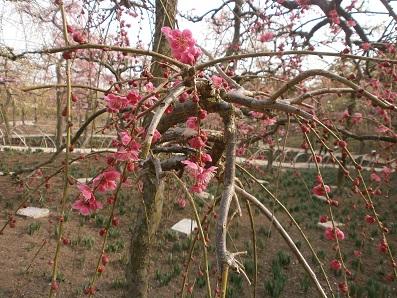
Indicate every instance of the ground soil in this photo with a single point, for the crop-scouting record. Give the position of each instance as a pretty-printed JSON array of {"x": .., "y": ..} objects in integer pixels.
[{"x": 26, "y": 260}]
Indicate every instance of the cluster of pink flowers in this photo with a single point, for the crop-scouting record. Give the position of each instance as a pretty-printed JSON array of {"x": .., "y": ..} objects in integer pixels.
[
  {"x": 200, "y": 175},
  {"x": 106, "y": 181},
  {"x": 182, "y": 45},
  {"x": 383, "y": 247},
  {"x": 330, "y": 234},
  {"x": 196, "y": 164},
  {"x": 87, "y": 202},
  {"x": 335, "y": 264},
  {"x": 129, "y": 153},
  {"x": 265, "y": 118},
  {"x": 370, "y": 219},
  {"x": 320, "y": 189},
  {"x": 198, "y": 142},
  {"x": 115, "y": 103},
  {"x": 265, "y": 37}
]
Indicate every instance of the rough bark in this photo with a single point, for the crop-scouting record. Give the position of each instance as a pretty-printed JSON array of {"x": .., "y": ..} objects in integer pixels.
[
  {"x": 165, "y": 17},
  {"x": 148, "y": 219},
  {"x": 4, "y": 117}
]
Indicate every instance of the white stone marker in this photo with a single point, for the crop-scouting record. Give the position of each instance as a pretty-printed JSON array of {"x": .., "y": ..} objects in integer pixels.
[
  {"x": 328, "y": 224},
  {"x": 34, "y": 212},
  {"x": 205, "y": 196},
  {"x": 83, "y": 180},
  {"x": 185, "y": 226}
]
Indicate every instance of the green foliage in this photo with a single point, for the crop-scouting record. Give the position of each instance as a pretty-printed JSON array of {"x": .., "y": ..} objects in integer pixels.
[
  {"x": 266, "y": 232},
  {"x": 305, "y": 283},
  {"x": 9, "y": 205},
  {"x": 116, "y": 246},
  {"x": 119, "y": 283},
  {"x": 33, "y": 227},
  {"x": 356, "y": 290},
  {"x": 114, "y": 232},
  {"x": 88, "y": 242},
  {"x": 375, "y": 289},
  {"x": 237, "y": 281},
  {"x": 275, "y": 286},
  {"x": 171, "y": 236},
  {"x": 284, "y": 258}
]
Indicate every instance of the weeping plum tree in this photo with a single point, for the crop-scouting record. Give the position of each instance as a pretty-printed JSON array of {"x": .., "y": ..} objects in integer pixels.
[{"x": 187, "y": 110}]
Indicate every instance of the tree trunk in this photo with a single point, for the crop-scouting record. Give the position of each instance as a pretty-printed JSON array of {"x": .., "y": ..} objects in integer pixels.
[
  {"x": 149, "y": 214},
  {"x": 148, "y": 220},
  {"x": 4, "y": 117},
  {"x": 165, "y": 17},
  {"x": 270, "y": 159}
]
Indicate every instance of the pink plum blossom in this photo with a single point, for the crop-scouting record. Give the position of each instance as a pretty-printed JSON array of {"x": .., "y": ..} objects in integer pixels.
[
  {"x": 366, "y": 46},
  {"x": 200, "y": 175},
  {"x": 356, "y": 118},
  {"x": 320, "y": 191},
  {"x": 265, "y": 37},
  {"x": 182, "y": 45},
  {"x": 216, "y": 81},
  {"x": 192, "y": 123},
  {"x": 107, "y": 180},
  {"x": 156, "y": 136},
  {"x": 335, "y": 264},
  {"x": 357, "y": 253},
  {"x": 381, "y": 128},
  {"x": 126, "y": 155},
  {"x": 115, "y": 103},
  {"x": 351, "y": 23},
  {"x": 88, "y": 203},
  {"x": 182, "y": 203},
  {"x": 330, "y": 234},
  {"x": 383, "y": 247},
  {"x": 375, "y": 177},
  {"x": 198, "y": 141},
  {"x": 86, "y": 191},
  {"x": 133, "y": 97},
  {"x": 370, "y": 219},
  {"x": 125, "y": 137}
]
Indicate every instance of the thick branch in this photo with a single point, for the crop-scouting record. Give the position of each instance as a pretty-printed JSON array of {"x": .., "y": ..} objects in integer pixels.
[{"x": 224, "y": 259}]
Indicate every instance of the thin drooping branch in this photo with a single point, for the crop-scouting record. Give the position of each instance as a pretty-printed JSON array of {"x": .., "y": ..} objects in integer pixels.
[
  {"x": 299, "y": 99},
  {"x": 389, "y": 9},
  {"x": 320, "y": 72},
  {"x": 76, "y": 136},
  {"x": 63, "y": 86},
  {"x": 102, "y": 47},
  {"x": 367, "y": 137},
  {"x": 285, "y": 236},
  {"x": 291, "y": 53}
]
